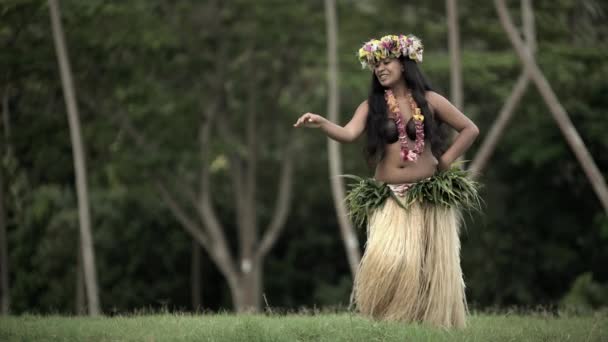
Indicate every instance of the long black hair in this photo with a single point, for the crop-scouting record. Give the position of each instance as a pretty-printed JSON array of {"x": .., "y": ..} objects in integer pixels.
[{"x": 381, "y": 129}]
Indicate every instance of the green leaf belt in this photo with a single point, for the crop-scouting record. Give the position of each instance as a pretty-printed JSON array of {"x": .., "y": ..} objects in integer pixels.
[{"x": 452, "y": 188}]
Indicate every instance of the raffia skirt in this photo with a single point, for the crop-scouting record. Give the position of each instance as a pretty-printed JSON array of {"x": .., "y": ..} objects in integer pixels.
[{"x": 410, "y": 270}]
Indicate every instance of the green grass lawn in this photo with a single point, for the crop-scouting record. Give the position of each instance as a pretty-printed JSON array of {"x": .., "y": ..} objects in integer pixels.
[{"x": 322, "y": 327}]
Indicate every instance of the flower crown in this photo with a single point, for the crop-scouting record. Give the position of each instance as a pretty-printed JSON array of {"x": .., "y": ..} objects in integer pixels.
[{"x": 390, "y": 46}]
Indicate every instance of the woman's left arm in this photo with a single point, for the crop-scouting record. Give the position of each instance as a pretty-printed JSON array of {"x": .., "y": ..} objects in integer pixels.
[{"x": 467, "y": 130}]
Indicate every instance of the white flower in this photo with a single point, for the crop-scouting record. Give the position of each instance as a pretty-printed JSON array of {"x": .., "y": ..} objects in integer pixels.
[
  {"x": 419, "y": 56},
  {"x": 415, "y": 49}
]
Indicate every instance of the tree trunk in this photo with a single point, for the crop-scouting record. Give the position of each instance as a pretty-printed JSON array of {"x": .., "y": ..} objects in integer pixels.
[
  {"x": 349, "y": 237},
  {"x": 489, "y": 143},
  {"x": 4, "y": 286},
  {"x": 259, "y": 286},
  {"x": 246, "y": 194},
  {"x": 80, "y": 306},
  {"x": 246, "y": 292},
  {"x": 4, "y": 271},
  {"x": 243, "y": 273},
  {"x": 559, "y": 113},
  {"x": 196, "y": 276},
  {"x": 88, "y": 255},
  {"x": 236, "y": 293},
  {"x": 208, "y": 231},
  {"x": 250, "y": 287},
  {"x": 456, "y": 91}
]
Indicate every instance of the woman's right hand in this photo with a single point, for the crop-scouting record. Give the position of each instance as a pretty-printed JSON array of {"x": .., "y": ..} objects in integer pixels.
[{"x": 309, "y": 120}]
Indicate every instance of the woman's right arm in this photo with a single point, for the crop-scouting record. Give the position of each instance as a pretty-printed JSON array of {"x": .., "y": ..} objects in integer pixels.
[{"x": 349, "y": 133}]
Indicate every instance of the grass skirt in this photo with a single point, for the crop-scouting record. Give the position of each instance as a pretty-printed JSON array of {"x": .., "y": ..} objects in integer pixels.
[{"x": 410, "y": 270}]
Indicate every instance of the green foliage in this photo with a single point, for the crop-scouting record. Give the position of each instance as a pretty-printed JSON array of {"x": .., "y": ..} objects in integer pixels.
[
  {"x": 365, "y": 195},
  {"x": 44, "y": 247},
  {"x": 452, "y": 188},
  {"x": 585, "y": 295}
]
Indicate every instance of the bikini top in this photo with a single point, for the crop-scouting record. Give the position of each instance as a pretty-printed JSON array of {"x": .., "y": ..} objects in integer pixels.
[{"x": 392, "y": 134}]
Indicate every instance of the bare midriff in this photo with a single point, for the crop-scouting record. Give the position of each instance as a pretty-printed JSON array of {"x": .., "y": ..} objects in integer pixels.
[{"x": 393, "y": 170}]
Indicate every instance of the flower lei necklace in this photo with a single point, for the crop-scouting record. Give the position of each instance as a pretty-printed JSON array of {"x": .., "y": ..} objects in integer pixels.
[{"x": 393, "y": 106}]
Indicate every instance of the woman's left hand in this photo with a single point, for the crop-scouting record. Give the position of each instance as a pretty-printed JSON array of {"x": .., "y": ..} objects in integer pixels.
[{"x": 443, "y": 164}]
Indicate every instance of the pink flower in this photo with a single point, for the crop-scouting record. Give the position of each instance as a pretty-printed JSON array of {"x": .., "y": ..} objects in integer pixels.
[{"x": 412, "y": 156}]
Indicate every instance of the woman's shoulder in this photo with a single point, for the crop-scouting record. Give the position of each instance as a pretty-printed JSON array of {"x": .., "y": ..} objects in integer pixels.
[
  {"x": 363, "y": 107},
  {"x": 433, "y": 97},
  {"x": 361, "y": 111},
  {"x": 435, "y": 100}
]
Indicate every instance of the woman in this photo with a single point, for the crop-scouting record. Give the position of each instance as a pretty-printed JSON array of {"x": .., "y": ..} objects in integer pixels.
[{"x": 411, "y": 267}]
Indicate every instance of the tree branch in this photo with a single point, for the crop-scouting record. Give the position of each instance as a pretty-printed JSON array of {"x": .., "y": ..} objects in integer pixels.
[
  {"x": 559, "y": 113},
  {"x": 282, "y": 204},
  {"x": 189, "y": 225},
  {"x": 506, "y": 112},
  {"x": 215, "y": 244},
  {"x": 252, "y": 155},
  {"x": 491, "y": 140},
  {"x": 236, "y": 174},
  {"x": 205, "y": 209}
]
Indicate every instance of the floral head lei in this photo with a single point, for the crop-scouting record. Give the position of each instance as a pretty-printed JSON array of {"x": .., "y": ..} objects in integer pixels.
[{"x": 390, "y": 46}]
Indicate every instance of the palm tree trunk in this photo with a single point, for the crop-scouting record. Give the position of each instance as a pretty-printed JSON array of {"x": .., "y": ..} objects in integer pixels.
[{"x": 86, "y": 239}]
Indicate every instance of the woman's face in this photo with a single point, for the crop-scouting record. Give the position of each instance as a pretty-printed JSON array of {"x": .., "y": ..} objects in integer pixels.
[{"x": 388, "y": 71}]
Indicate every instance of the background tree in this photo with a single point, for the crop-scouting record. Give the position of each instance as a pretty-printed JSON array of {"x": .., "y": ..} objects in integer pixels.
[
  {"x": 349, "y": 237},
  {"x": 506, "y": 112},
  {"x": 6, "y": 151},
  {"x": 86, "y": 243},
  {"x": 456, "y": 95},
  {"x": 558, "y": 111},
  {"x": 153, "y": 65}
]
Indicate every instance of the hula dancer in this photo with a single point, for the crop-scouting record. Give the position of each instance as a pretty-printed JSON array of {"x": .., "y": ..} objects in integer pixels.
[{"x": 410, "y": 270}]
